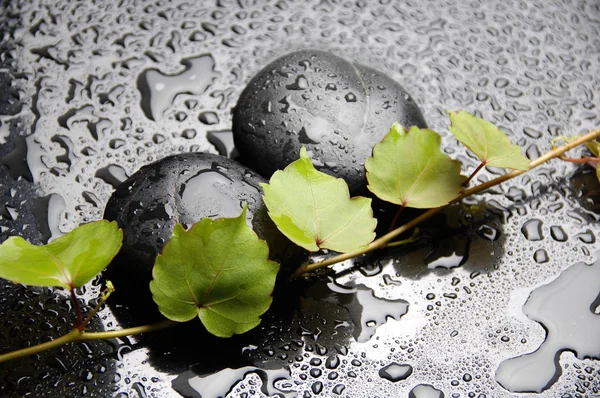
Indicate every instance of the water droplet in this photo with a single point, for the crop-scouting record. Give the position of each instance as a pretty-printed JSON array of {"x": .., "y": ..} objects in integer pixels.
[
  {"x": 541, "y": 256},
  {"x": 558, "y": 233},
  {"x": 112, "y": 174},
  {"x": 532, "y": 230},
  {"x": 350, "y": 97},
  {"x": 395, "y": 372},
  {"x": 208, "y": 118},
  {"x": 300, "y": 84},
  {"x": 425, "y": 391}
]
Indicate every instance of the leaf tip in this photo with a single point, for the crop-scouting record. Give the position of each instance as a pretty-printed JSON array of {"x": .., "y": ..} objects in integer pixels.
[
  {"x": 244, "y": 211},
  {"x": 398, "y": 129},
  {"x": 303, "y": 153},
  {"x": 178, "y": 230}
]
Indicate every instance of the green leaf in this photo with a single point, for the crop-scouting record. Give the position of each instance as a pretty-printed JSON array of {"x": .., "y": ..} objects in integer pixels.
[
  {"x": 487, "y": 141},
  {"x": 594, "y": 147},
  {"x": 408, "y": 168},
  {"x": 314, "y": 210},
  {"x": 69, "y": 261},
  {"x": 217, "y": 270}
]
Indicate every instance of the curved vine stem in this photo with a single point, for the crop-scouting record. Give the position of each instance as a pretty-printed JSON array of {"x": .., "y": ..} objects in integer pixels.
[
  {"x": 79, "y": 335},
  {"x": 384, "y": 241}
]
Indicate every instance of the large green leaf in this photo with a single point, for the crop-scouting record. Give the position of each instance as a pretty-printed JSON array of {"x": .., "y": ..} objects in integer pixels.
[
  {"x": 217, "y": 270},
  {"x": 487, "y": 141},
  {"x": 314, "y": 210},
  {"x": 408, "y": 168},
  {"x": 69, "y": 261}
]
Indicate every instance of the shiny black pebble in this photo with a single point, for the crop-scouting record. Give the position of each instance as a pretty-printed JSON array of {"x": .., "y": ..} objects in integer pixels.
[
  {"x": 338, "y": 109},
  {"x": 181, "y": 189}
]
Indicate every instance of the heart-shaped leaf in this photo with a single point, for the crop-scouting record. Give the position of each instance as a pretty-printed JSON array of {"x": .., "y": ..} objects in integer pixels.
[
  {"x": 487, "y": 141},
  {"x": 217, "y": 270},
  {"x": 408, "y": 168},
  {"x": 69, "y": 261},
  {"x": 314, "y": 209}
]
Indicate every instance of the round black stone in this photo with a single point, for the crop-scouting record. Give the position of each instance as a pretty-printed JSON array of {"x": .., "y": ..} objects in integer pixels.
[
  {"x": 180, "y": 189},
  {"x": 338, "y": 109}
]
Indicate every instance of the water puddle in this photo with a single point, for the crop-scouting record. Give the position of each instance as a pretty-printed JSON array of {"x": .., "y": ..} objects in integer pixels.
[
  {"x": 159, "y": 89},
  {"x": 567, "y": 308},
  {"x": 208, "y": 190},
  {"x": 367, "y": 311},
  {"x": 275, "y": 383}
]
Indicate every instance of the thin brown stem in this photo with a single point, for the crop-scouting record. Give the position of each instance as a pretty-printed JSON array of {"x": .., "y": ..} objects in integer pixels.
[
  {"x": 395, "y": 219},
  {"x": 385, "y": 239},
  {"x": 474, "y": 173},
  {"x": 580, "y": 160},
  {"x": 79, "y": 322},
  {"x": 78, "y": 335}
]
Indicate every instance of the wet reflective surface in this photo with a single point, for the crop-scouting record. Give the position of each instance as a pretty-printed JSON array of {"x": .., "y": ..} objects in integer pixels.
[{"x": 91, "y": 92}]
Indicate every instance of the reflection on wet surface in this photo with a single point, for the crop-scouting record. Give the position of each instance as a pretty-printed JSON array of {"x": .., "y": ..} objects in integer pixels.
[{"x": 90, "y": 92}]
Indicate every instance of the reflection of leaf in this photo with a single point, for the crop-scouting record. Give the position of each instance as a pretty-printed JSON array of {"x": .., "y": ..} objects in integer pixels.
[
  {"x": 217, "y": 270},
  {"x": 314, "y": 210},
  {"x": 487, "y": 141},
  {"x": 69, "y": 261},
  {"x": 408, "y": 168}
]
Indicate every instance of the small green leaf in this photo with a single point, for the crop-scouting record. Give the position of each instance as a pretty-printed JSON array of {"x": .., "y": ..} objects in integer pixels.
[
  {"x": 594, "y": 147},
  {"x": 217, "y": 270},
  {"x": 487, "y": 141},
  {"x": 408, "y": 168},
  {"x": 314, "y": 210},
  {"x": 69, "y": 261}
]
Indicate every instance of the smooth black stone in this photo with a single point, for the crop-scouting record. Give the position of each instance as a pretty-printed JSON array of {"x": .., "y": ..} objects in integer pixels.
[
  {"x": 180, "y": 189},
  {"x": 338, "y": 109}
]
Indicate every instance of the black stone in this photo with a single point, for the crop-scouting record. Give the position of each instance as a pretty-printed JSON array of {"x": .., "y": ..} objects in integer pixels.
[
  {"x": 181, "y": 189},
  {"x": 338, "y": 109}
]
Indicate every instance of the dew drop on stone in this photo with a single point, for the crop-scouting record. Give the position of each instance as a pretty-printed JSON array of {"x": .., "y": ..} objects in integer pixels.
[
  {"x": 315, "y": 130},
  {"x": 395, "y": 372},
  {"x": 207, "y": 189},
  {"x": 300, "y": 84}
]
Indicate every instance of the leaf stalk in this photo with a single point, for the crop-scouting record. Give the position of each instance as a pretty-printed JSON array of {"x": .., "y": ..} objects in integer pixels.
[
  {"x": 103, "y": 297},
  {"x": 474, "y": 173},
  {"x": 79, "y": 322}
]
